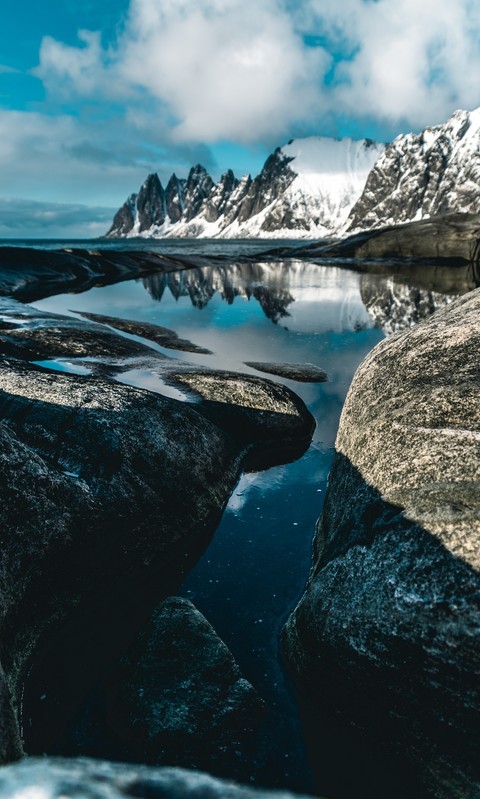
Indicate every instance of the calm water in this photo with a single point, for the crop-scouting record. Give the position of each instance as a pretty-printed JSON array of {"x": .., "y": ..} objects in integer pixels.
[
  {"x": 233, "y": 247},
  {"x": 256, "y": 567}
]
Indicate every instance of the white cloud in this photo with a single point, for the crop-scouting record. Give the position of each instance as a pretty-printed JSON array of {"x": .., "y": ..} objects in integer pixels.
[
  {"x": 29, "y": 219},
  {"x": 231, "y": 69},
  {"x": 413, "y": 62},
  {"x": 67, "y": 67},
  {"x": 239, "y": 69},
  {"x": 63, "y": 158},
  {"x": 216, "y": 69}
]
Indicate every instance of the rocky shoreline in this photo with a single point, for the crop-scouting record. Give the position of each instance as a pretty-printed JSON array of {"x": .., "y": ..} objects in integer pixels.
[
  {"x": 110, "y": 494},
  {"x": 451, "y": 241}
]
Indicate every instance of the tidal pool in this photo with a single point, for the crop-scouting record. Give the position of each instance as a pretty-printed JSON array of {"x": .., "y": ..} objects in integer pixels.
[{"x": 255, "y": 569}]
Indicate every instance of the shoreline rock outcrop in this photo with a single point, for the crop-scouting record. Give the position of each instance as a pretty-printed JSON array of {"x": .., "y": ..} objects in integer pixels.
[
  {"x": 109, "y": 495},
  {"x": 387, "y": 631}
]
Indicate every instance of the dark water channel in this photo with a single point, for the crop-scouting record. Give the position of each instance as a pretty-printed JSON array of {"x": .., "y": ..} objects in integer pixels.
[{"x": 256, "y": 566}]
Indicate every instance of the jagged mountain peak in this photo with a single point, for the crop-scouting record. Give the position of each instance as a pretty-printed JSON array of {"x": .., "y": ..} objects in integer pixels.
[
  {"x": 304, "y": 188},
  {"x": 436, "y": 171},
  {"x": 151, "y": 181}
]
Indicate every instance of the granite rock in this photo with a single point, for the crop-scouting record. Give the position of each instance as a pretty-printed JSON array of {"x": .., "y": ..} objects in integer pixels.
[
  {"x": 177, "y": 697},
  {"x": 302, "y": 372},
  {"x": 387, "y": 631},
  {"x": 109, "y": 495}
]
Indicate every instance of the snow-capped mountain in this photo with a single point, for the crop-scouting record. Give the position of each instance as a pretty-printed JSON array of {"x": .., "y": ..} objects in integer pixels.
[
  {"x": 306, "y": 188},
  {"x": 422, "y": 175}
]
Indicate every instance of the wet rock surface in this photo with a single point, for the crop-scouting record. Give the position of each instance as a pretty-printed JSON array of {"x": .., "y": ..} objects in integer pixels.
[
  {"x": 160, "y": 335},
  {"x": 263, "y": 413},
  {"x": 109, "y": 495},
  {"x": 391, "y": 617},
  {"x": 303, "y": 372},
  {"x": 177, "y": 697},
  {"x": 81, "y": 778},
  {"x": 29, "y": 274},
  {"x": 90, "y": 508},
  {"x": 28, "y": 334}
]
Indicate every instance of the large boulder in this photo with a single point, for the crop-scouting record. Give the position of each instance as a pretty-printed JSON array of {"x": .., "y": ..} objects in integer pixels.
[
  {"x": 109, "y": 495},
  {"x": 177, "y": 697},
  {"x": 387, "y": 633}
]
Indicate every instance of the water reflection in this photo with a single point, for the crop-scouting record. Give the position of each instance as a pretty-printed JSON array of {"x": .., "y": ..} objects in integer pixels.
[{"x": 290, "y": 293}]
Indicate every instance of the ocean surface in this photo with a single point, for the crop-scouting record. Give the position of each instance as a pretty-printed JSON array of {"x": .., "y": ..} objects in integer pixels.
[
  {"x": 255, "y": 569},
  {"x": 233, "y": 247}
]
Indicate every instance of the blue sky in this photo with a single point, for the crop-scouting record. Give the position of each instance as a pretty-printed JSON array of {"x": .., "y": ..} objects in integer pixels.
[{"x": 94, "y": 95}]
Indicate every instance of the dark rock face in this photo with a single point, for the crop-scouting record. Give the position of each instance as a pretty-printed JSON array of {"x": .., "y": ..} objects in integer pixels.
[
  {"x": 28, "y": 274},
  {"x": 174, "y": 200},
  {"x": 198, "y": 200},
  {"x": 109, "y": 494},
  {"x": 94, "y": 507},
  {"x": 198, "y": 187},
  {"x": 178, "y": 696},
  {"x": 148, "y": 208},
  {"x": 151, "y": 204},
  {"x": 124, "y": 219},
  {"x": 388, "y": 628},
  {"x": 271, "y": 183},
  {"x": 421, "y": 175},
  {"x": 58, "y": 778}
]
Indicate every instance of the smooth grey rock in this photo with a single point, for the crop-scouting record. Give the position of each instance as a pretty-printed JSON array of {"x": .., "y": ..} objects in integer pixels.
[
  {"x": 59, "y": 778},
  {"x": 448, "y": 239},
  {"x": 388, "y": 629},
  {"x": 178, "y": 697},
  {"x": 259, "y": 412},
  {"x": 302, "y": 372}
]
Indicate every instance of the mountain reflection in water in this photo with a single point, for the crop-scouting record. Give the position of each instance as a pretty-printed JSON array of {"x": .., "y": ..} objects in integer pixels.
[{"x": 290, "y": 293}]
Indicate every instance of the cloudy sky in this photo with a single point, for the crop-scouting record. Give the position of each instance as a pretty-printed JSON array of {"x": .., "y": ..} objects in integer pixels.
[{"x": 94, "y": 94}]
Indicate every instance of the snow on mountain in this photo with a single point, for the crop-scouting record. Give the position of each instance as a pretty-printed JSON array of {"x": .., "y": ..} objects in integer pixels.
[
  {"x": 305, "y": 189},
  {"x": 420, "y": 175}
]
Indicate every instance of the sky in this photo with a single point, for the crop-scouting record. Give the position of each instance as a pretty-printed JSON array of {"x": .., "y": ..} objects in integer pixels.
[{"x": 96, "y": 94}]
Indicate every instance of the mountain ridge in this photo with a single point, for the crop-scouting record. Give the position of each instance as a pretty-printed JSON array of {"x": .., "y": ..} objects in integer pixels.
[
  {"x": 303, "y": 189},
  {"x": 422, "y": 175}
]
